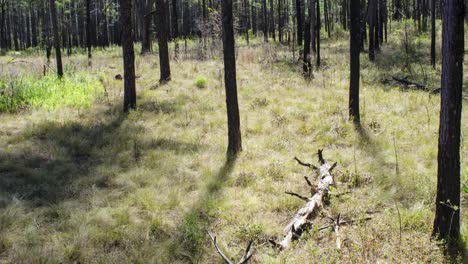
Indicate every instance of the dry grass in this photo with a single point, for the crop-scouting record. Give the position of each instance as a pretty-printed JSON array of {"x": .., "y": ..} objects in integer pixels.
[{"x": 96, "y": 186}]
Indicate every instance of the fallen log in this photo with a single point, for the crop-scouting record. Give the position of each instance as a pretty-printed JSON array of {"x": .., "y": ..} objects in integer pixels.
[
  {"x": 245, "y": 258},
  {"x": 406, "y": 82},
  {"x": 302, "y": 219}
]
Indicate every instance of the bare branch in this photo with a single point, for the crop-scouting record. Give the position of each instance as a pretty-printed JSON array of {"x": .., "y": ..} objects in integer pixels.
[
  {"x": 333, "y": 166},
  {"x": 345, "y": 223},
  {"x": 228, "y": 261},
  {"x": 247, "y": 254},
  {"x": 320, "y": 156},
  {"x": 308, "y": 182},
  {"x": 306, "y": 164},
  {"x": 298, "y": 196}
]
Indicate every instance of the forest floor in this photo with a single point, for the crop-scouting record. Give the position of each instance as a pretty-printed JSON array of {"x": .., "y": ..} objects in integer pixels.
[{"x": 92, "y": 185}]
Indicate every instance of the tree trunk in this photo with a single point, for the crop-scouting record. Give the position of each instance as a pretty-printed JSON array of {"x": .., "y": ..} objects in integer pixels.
[
  {"x": 299, "y": 21},
  {"x": 319, "y": 26},
  {"x": 265, "y": 21},
  {"x": 355, "y": 38},
  {"x": 447, "y": 216},
  {"x": 58, "y": 55},
  {"x": 88, "y": 30},
  {"x": 161, "y": 11},
  {"x": 234, "y": 132},
  {"x": 128, "y": 55},
  {"x": 272, "y": 21},
  {"x": 175, "y": 27},
  {"x": 371, "y": 17},
  {"x": 307, "y": 65},
  {"x": 313, "y": 27},
  {"x": 433, "y": 34}
]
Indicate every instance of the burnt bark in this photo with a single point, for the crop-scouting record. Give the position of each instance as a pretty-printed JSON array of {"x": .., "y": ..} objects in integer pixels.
[
  {"x": 355, "y": 46},
  {"x": 128, "y": 55},
  {"x": 58, "y": 55},
  {"x": 299, "y": 21},
  {"x": 161, "y": 17},
  {"x": 447, "y": 216},
  {"x": 234, "y": 132}
]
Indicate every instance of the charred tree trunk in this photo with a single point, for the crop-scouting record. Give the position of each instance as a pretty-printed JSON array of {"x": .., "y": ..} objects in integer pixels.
[
  {"x": 307, "y": 65},
  {"x": 146, "y": 45},
  {"x": 433, "y": 34},
  {"x": 318, "y": 26},
  {"x": 88, "y": 30},
  {"x": 272, "y": 21},
  {"x": 234, "y": 132},
  {"x": 299, "y": 21},
  {"x": 265, "y": 21},
  {"x": 313, "y": 26},
  {"x": 355, "y": 38},
  {"x": 371, "y": 17},
  {"x": 58, "y": 54},
  {"x": 161, "y": 12},
  {"x": 128, "y": 55},
  {"x": 447, "y": 216},
  {"x": 175, "y": 27}
]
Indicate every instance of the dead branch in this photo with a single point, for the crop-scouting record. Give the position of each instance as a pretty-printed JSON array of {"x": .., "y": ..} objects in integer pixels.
[
  {"x": 301, "y": 220},
  {"x": 306, "y": 164},
  {"x": 247, "y": 253},
  {"x": 345, "y": 223},
  {"x": 308, "y": 182},
  {"x": 298, "y": 196},
  {"x": 337, "y": 232},
  {"x": 405, "y": 81}
]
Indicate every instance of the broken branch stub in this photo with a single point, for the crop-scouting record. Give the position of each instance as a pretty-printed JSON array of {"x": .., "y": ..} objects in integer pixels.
[
  {"x": 301, "y": 220},
  {"x": 245, "y": 258}
]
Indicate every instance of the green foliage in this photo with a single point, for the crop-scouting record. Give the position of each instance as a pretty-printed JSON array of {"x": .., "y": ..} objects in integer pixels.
[
  {"x": 248, "y": 232},
  {"x": 191, "y": 233},
  {"x": 48, "y": 92},
  {"x": 201, "y": 81}
]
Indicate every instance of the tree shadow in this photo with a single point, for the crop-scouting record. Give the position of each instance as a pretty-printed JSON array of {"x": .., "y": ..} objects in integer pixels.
[
  {"x": 191, "y": 233},
  {"x": 46, "y": 160},
  {"x": 379, "y": 164},
  {"x": 55, "y": 161}
]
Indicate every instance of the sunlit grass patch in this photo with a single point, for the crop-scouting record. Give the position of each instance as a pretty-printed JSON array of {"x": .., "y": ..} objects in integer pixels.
[{"x": 49, "y": 92}]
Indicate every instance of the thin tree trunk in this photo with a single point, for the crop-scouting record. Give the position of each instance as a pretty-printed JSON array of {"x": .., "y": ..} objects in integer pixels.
[
  {"x": 299, "y": 21},
  {"x": 128, "y": 55},
  {"x": 265, "y": 21},
  {"x": 88, "y": 30},
  {"x": 433, "y": 34},
  {"x": 371, "y": 17},
  {"x": 58, "y": 54},
  {"x": 319, "y": 26},
  {"x": 307, "y": 65},
  {"x": 272, "y": 21},
  {"x": 234, "y": 132},
  {"x": 161, "y": 11},
  {"x": 355, "y": 38}
]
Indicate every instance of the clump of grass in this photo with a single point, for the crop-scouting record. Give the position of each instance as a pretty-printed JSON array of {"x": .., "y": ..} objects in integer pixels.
[
  {"x": 49, "y": 92},
  {"x": 201, "y": 82}
]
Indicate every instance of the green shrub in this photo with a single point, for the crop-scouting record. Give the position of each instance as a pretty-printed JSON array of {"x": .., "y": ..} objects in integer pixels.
[
  {"x": 49, "y": 92},
  {"x": 201, "y": 81}
]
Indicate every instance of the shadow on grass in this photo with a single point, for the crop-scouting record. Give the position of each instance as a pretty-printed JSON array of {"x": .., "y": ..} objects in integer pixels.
[
  {"x": 56, "y": 161},
  {"x": 379, "y": 165},
  {"x": 191, "y": 233}
]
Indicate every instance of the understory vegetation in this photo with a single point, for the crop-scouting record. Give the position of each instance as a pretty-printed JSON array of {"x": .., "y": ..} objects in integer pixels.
[{"x": 100, "y": 186}]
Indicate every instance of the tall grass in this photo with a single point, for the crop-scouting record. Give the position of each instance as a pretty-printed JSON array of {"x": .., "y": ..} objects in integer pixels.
[{"x": 49, "y": 92}]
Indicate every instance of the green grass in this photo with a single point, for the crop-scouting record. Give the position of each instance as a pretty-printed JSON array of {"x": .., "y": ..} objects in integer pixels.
[
  {"x": 97, "y": 186},
  {"x": 201, "y": 82},
  {"x": 49, "y": 92}
]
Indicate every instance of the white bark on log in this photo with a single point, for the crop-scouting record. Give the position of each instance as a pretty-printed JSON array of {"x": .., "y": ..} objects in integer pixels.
[{"x": 301, "y": 220}]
